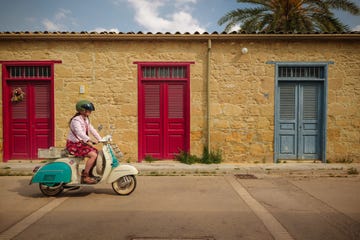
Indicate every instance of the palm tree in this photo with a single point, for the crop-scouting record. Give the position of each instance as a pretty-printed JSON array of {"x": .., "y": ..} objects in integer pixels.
[{"x": 289, "y": 16}]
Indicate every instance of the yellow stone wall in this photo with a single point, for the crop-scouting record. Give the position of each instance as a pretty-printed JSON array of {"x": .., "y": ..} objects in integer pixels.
[
  {"x": 242, "y": 96},
  {"x": 241, "y": 89}
]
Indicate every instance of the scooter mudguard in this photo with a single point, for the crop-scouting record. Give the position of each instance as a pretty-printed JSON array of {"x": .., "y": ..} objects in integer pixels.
[
  {"x": 120, "y": 171},
  {"x": 53, "y": 173}
]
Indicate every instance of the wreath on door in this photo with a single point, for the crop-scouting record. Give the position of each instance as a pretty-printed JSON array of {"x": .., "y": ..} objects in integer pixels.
[{"x": 17, "y": 95}]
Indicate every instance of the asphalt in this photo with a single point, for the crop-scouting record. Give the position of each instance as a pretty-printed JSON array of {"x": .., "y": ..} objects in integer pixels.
[
  {"x": 175, "y": 168},
  {"x": 304, "y": 200}
]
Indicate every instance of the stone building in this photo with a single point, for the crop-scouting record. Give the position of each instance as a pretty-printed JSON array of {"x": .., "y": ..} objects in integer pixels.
[{"x": 255, "y": 97}]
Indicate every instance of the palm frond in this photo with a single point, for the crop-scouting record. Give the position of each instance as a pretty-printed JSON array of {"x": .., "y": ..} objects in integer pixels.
[
  {"x": 344, "y": 5},
  {"x": 289, "y": 16},
  {"x": 239, "y": 16},
  {"x": 328, "y": 23}
]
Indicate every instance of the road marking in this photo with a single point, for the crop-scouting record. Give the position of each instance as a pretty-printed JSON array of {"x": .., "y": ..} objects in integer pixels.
[
  {"x": 29, "y": 220},
  {"x": 270, "y": 222}
]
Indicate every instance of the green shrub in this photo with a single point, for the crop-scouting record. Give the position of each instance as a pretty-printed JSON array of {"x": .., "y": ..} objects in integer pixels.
[
  {"x": 352, "y": 171},
  {"x": 344, "y": 159},
  {"x": 211, "y": 157},
  {"x": 150, "y": 159},
  {"x": 207, "y": 157},
  {"x": 216, "y": 156},
  {"x": 187, "y": 158}
]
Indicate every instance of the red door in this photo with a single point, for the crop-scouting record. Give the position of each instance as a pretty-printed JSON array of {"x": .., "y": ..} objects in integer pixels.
[
  {"x": 29, "y": 120},
  {"x": 163, "y": 111},
  {"x": 164, "y": 132}
]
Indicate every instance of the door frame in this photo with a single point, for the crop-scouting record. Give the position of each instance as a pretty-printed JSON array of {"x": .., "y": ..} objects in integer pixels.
[
  {"x": 185, "y": 80},
  {"x": 324, "y": 80},
  {"x": 6, "y": 98}
]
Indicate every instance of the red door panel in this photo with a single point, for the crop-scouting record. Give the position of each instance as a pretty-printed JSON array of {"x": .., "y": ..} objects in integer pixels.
[
  {"x": 20, "y": 147},
  {"x": 41, "y": 118},
  {"x": 153, "y": 145},
  {"x": 30, "y": 120},
  {"x": 19, "y": 125},
  {"x": 175, "y": 130},
  {"x": 152, "y": 120}
]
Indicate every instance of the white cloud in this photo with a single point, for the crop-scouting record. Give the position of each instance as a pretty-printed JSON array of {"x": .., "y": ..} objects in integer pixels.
[
  {"x": 61, "y": 21},
  {"x": 185, "y": 1},
  {"x": 62, "y": 14},
  {"x": 185, "y": 5},
  {"x": 177, "y": 17},
  {"x": 235, "y": 28},
  {"x": 356, "y": 28},
  {"x": 51, "y": 26},
  {"x": 99, "y": 30}
]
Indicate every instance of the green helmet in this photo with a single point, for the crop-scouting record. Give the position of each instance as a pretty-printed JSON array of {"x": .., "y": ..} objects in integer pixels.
[{"x": 84, "y": 105}]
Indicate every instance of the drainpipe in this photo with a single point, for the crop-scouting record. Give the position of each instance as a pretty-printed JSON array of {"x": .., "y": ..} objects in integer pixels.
[{"x": 208, "y": 93}]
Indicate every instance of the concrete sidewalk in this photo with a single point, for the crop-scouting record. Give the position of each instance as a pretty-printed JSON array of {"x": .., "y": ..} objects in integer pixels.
[{"x": 169, "y": 168}]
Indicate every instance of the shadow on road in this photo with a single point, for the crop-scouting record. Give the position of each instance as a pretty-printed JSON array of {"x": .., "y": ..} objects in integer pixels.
[{"x": 24, "y": 189}]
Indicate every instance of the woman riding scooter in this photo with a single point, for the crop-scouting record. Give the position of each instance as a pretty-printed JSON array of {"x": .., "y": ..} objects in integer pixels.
[{"x": 78, "y": 141}]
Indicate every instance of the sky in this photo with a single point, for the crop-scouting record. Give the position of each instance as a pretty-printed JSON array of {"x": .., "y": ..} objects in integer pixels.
[{"x": 124, "y": 15}]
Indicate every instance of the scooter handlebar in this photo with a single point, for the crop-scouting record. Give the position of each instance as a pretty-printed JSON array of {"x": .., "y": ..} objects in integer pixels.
[{"x": 105, "y": 139}]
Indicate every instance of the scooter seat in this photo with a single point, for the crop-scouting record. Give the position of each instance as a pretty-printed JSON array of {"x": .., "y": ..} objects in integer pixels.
[{"x": 66, "y": 154}]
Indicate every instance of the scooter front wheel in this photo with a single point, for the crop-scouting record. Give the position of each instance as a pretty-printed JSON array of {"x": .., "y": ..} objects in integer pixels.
[
  {"x": 51, "y": 190},
  {"x": 124, "y": 185}
]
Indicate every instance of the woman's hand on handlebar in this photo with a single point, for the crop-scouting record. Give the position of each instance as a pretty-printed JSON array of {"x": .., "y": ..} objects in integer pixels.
[{"x": 90, "y": 142}]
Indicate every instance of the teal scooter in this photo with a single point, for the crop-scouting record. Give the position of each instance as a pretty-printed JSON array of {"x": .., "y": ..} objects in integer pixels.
[{"x": 64, "y": 173}]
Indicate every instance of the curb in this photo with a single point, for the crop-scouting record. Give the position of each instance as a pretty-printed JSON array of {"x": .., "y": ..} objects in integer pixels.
[{"x": 173, "y": 168}]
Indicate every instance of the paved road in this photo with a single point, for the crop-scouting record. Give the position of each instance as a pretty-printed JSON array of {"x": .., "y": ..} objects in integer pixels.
[{"x": 186, "y": 207}]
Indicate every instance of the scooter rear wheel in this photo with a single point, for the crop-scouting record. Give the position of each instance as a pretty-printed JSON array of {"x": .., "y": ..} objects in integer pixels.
[
  {"x": 51, "y": 191},
  {"x": 124, "y": 185}
]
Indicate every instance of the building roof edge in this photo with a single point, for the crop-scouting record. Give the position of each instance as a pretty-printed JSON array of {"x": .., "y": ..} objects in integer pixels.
[{"x": 112, "y": 36}]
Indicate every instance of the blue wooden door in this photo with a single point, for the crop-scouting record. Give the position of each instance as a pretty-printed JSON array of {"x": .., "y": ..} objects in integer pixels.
[{"x": 299, "y": 130}]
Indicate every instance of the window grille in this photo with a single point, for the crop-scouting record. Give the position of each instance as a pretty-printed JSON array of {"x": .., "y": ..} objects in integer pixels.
[
  {"x": 29, "y": 71},
  {"x": 164, "y": 72},
  {"x": 179, "y": 72},
  {"x": 310, "y": 72},
  {"x": 149, "y": 72}
]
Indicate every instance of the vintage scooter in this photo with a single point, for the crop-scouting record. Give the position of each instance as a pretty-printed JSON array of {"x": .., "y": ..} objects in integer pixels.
[{"x": 64, "y": 173}]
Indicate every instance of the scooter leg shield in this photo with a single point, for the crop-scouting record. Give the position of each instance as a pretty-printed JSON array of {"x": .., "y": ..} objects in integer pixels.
[
  {"x": 120, "y": 171},
  {"x": 100, "y": 163},
  {"x": 52, "y": 174}
]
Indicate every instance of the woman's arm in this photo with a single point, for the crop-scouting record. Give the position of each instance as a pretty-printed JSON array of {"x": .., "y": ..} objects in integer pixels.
[{"x": 93, "y": 131}]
